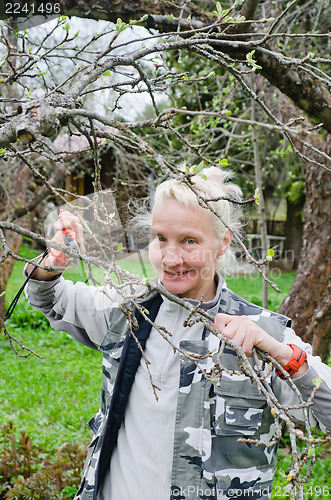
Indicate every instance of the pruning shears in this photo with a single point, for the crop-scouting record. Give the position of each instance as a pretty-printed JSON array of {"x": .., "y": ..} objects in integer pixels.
[{"x": 69, "y": 239}]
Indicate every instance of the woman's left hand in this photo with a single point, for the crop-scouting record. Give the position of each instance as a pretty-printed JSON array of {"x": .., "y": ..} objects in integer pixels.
[{"x": 247, "y": 334}]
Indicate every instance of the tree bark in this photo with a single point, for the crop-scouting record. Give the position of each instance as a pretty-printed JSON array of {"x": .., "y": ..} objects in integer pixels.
[
  {"x": 293, "y": 234},
  {"x": 261, "y": 209},
  {"x": 308, "y": 302},
  {"x": 305, "y": 92}
]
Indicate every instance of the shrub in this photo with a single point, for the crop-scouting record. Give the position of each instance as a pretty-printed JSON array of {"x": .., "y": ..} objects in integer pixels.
[{"x": 27, "y": 473}]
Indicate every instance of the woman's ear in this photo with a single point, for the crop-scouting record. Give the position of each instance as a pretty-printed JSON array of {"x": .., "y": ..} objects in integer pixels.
[{"x": 225, "y": 243}]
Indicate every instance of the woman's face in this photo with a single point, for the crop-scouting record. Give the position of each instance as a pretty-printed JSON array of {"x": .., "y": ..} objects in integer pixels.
[{"x": 184, "y": 249}]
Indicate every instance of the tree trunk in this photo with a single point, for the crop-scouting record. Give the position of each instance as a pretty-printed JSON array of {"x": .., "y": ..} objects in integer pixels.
[
  {"x": 293, "y": 234},
  {"x": 16, "y": 197},
  {"x": 308, "y": 302},
  {"x": 261, "y": 208}
]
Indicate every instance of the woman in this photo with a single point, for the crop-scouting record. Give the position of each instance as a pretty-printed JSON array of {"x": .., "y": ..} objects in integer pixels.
[{"x": 183, "y": 445}]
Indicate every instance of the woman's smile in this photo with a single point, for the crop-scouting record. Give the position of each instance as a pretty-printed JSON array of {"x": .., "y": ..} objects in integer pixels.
[{"x": 176, "y": 274}]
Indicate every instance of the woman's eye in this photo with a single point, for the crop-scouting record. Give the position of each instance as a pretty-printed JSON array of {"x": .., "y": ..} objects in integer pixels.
[
  {"x": 160, "y": 238},
  {"x": 190, "y": 241}
]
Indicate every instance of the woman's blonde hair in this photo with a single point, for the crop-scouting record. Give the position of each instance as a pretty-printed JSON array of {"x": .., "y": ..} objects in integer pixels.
[{"x": 210, "y": 183}]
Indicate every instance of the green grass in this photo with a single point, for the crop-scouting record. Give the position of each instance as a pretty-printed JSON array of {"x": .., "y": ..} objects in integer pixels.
[
  {"x": 50, "y": 398},
  {"x": 250, "y": 287}
]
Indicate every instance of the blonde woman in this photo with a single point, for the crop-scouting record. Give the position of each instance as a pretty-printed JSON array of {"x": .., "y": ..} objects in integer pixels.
[{"x": 185, "y": 444}]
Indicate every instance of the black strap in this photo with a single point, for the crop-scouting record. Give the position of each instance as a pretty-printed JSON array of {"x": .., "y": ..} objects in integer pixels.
[
  {"x": 12, "y": 306},
  {"x": 127, "y": 369}
]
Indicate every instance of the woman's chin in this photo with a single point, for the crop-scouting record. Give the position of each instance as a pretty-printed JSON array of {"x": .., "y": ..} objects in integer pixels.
[{"x": 178, "y": 285}]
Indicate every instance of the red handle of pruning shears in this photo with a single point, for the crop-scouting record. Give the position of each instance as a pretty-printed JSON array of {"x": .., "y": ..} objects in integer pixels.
[{"x": 69, "y": 239}]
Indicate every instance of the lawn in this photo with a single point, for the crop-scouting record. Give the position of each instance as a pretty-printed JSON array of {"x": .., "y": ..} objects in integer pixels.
[{"x": 53, "y": 396}]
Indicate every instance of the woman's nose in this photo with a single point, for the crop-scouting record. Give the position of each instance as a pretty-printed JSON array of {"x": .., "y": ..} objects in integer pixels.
[{"x": 172, "y": 257}]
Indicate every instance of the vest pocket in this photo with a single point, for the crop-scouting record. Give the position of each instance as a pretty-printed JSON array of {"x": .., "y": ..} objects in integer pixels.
[
  {"x": 242, "y": 417},
  {"x": 239, "y": 409},
  {"x": 235, "y": 419}
]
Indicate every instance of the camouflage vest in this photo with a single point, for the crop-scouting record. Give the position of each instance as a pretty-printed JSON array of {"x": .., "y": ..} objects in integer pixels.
[{"x": 209, "y": 462}]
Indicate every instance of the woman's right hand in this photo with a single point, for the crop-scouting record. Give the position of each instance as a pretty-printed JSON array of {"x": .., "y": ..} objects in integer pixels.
[
  {"x": 55, "y": 258},
  {"x": 67, "y": 226},
  {"x": 67, "y": 220}
]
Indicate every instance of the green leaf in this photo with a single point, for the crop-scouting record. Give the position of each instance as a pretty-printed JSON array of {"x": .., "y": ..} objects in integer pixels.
[
  {"x": 120, "y": 26},
  {"x": 311, "y": 451},
  {"x": 223, "y": 163},
  {"x": 219, "y": 9},
  {"x": 270, "y": 254},
  {"x": 252, "y": 62},
  {"x": 317, "y": 382},
  {"x": 66, "y": 27},
  {"x": 257, "y": 196},
  {"x": 267, "y": 20}
]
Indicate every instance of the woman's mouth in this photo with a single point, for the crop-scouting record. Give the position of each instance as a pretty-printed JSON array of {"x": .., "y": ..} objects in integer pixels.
[{"x": 176, "y": 275}]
